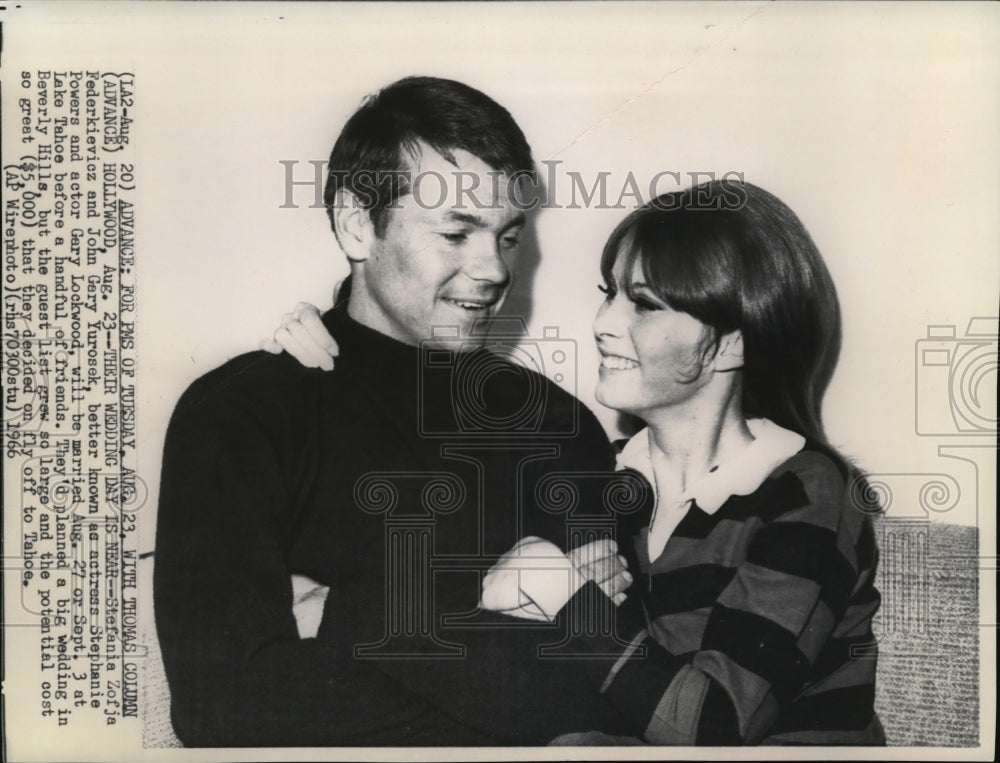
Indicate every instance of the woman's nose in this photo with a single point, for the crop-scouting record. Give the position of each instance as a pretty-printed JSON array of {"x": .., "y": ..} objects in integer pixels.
[{"x": 607, "y": 322}]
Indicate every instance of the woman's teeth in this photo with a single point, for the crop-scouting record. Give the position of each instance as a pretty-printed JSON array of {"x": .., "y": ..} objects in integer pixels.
[{"x": 617, "y": 363}]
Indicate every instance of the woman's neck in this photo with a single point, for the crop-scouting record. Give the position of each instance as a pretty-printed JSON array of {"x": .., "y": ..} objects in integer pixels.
[{"x": 689, "y": 441}]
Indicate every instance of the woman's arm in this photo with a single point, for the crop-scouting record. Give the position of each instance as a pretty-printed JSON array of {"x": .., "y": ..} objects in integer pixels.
[
  {"x": 303, "y": 335},
  {"x": 727, "y": 672}
]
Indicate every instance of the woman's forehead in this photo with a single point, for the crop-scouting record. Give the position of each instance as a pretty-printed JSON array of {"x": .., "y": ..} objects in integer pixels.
[{"x": 628, "y": 266}]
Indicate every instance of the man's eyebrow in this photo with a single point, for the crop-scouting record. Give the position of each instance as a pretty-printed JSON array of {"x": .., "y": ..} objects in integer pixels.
[
  {"x": 516, "y": 222},
  {"x": 464, "y": 217},
  {"x": 478, "y": 222}
]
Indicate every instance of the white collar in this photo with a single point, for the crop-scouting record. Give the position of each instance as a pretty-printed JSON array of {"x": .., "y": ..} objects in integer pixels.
[{"x": 772, "y": 446}]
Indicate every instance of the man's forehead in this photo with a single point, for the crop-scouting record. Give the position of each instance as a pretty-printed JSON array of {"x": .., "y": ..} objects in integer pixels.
[
  {"x": 422, "y": 157},
  {"x": 466, "y": 191}
]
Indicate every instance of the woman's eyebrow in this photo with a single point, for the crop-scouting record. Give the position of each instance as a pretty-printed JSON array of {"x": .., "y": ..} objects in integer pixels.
[{"x": 642, "y": 289}]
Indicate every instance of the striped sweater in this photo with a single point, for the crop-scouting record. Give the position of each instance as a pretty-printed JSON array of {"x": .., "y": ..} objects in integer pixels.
[{"x": 754, "y": 624}]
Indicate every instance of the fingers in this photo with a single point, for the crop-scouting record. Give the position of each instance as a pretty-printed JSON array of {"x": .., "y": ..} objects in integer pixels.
[
  {"x": 609, "y": 568},
  {"x": 308, "y": 331},
  {"x": 271, "y": 346},
  {"x": 301, "y": 352},
  {"x": 525, "y": 612},
  {"x": 590, "y": 552},
  {"x": 501, "y": 592},
  {"x": 616, "y": 586},
  {"x": 598, "y": 561},
  {"x": 304, "y": 336},
  {"x": 309, "y": 316},
  {"x": 532, "y": 547},
  {"x": 604, "y": 569}
]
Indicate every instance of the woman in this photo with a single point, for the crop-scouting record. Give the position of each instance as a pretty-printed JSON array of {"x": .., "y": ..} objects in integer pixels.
[{"x": 753, "y": 594}]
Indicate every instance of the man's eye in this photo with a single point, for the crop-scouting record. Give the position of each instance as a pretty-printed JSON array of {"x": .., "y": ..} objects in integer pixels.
[
  {"x": 510, "y": 242},
  {"x": 455, "y": 238}
]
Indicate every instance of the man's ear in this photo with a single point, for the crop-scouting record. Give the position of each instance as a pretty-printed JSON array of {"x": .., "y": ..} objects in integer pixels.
[
  {"x": 729, "y": 356},
  {"x": 353, "y": 227}
]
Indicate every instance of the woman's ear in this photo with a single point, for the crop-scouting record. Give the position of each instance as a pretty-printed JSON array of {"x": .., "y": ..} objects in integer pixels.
[
  {"x": 730, "y": 354},
  {"x": 353, "y": 227}
]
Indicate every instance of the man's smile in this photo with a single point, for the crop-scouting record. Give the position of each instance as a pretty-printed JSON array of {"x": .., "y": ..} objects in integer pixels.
[{"x": 472, "y": 304}]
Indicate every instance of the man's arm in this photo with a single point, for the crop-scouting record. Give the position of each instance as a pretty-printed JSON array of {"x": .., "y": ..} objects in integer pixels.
[
  {"x": 508, "y": 685},
  {"x": 238, "y": 672}
]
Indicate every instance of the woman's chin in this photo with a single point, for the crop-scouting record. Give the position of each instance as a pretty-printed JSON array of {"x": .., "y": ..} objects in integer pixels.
[{"x": 609, "y": 399}]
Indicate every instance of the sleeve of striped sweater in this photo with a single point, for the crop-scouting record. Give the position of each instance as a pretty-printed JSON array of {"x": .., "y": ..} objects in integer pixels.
[{"x": 764, "y": 631}]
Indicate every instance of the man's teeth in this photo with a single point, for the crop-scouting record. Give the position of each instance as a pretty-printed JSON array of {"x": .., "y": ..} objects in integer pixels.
[
  {"x": 468, "y": 305},
  {"x": 618, "y": 363}
]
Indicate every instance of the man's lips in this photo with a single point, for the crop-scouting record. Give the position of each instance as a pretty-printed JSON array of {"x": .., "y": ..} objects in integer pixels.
[{"x": 477, "y": 303}]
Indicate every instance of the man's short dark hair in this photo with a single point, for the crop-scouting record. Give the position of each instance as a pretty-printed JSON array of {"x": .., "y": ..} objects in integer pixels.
[{"x": 369, "y": 158}]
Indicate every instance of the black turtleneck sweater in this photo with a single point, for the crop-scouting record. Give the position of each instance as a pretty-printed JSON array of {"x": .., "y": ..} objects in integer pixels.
[{"x": 396, "y": 480}]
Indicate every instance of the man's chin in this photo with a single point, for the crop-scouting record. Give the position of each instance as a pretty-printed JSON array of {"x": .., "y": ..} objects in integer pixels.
[
  {"x": 465, "y": 342},
  {"x": 460, "y": 333}
]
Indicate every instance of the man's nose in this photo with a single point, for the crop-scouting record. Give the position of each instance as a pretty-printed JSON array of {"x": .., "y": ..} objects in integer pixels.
[{"x": 486, "y": 263}]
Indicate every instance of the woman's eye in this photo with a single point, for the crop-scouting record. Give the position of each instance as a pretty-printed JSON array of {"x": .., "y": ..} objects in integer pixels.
[
  {"x": 510, "y": 242},
  {"x": 454, "y": 238},
  {"x": 644, "y": 306}
]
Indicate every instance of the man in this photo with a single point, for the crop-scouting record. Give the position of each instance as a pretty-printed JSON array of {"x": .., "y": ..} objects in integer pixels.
[{"x": 396, "y": 481}]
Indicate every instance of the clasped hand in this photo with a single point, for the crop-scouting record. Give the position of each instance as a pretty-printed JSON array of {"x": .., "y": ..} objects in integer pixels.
[{"x": 534, "y": 580}]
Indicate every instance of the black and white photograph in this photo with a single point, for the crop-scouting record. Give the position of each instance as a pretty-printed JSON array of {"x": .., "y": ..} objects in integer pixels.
[{"x": 425, "y": 381}]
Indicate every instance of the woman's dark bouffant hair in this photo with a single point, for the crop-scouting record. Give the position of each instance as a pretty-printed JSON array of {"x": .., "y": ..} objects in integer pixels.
[{"x": 736, "y": 257}]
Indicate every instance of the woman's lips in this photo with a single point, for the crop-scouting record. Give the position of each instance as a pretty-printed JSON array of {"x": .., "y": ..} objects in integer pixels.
[{"x": 617, "y": 362}]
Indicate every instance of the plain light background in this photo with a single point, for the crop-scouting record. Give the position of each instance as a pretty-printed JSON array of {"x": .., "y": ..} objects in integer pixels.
[{"x": 876, "y": 123}]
